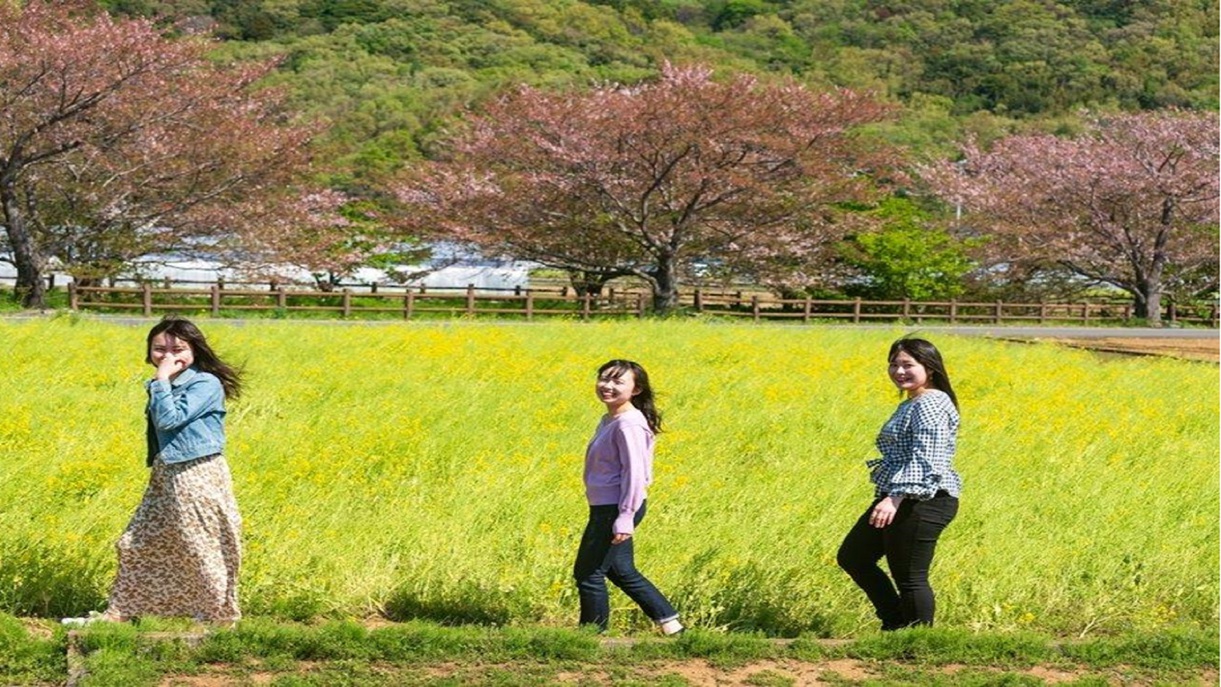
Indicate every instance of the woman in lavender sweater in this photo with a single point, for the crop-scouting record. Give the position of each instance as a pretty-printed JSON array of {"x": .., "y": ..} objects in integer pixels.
[{"x": 618, "y": 470}]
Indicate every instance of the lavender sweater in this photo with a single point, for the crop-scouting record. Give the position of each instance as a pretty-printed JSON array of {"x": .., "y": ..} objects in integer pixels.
[{"x": 619, "y": 466}]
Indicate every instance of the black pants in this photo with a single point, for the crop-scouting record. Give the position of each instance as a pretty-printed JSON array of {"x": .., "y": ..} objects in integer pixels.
[
  {"x": 908, "y": 544},
  {"x": 598, "y": 560}
]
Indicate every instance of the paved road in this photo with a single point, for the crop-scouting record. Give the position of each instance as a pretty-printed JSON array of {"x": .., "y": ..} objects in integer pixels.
[
  {"x": 1006, "y": 332},
  {"x": 1015, "y": 332}
]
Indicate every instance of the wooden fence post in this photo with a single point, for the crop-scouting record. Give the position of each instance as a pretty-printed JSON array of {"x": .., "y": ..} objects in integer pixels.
[
  {"x": 998, "y": 314},
  {"x": 215, "y": 288},
  {"x": 907, "y": 308},
  {"x": 754, "y": 307},
  {"x": 1085, "y": 312},
  {"x": 805, "y": 314},
  {"x": 856, "y": 310},
  {"x": 1171, "y": 312},
  {"x": 73, "y": 302},
  {"x": 408, "y": 304},
  {"x": 281, "y": 298},
  {"x": 585, "y": 306},
  {"x": 146, "y": 297},
  {"x": 1042, "y": 311},
  {"x": 470, "y": 299},
  {"x": 529, "y": 303},
  {"x": 373, "y": 287},
  {"x": 699, "y": 300},
  {"x": 953, "y": 310},
  {"x": 640, "y": 305},
  {"x": 347, "y": 302}
]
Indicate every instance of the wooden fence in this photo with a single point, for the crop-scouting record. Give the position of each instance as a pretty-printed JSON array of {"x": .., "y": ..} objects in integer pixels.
[{"x": 528, "y": 303}]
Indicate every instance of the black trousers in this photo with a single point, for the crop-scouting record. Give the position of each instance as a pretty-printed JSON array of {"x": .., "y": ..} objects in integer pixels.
[
  {"x": 908, "y": 544},
  {"x": 598, "y": 561}
]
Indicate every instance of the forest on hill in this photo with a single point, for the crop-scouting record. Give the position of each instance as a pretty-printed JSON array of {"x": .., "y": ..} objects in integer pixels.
[
  {"x": 386, "y": 75},
  {"x": 921, "y": 149}
]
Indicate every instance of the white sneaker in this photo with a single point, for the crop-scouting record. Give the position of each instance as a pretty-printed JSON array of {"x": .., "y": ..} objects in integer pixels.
[
  {"x": 93, "y": 617},
  {"x": 672, "y": 628}
]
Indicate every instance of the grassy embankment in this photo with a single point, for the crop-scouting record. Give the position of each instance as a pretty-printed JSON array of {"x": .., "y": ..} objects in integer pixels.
[{"x": 281, "y": 653}]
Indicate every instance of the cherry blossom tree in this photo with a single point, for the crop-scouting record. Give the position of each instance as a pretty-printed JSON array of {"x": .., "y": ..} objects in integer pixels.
[
  {"x": 651, "y": 179},
  {"x": 1130, "y": 202},
  {"x": 330, "y": 235},
  {"x": 116, "y": 142}
]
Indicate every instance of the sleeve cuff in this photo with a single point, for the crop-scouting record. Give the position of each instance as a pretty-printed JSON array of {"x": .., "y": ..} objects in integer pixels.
[{"x": 624, "y": 524}]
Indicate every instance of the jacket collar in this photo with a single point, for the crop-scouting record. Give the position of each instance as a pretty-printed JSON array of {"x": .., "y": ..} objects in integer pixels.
[{"x": 184, "y": 376}]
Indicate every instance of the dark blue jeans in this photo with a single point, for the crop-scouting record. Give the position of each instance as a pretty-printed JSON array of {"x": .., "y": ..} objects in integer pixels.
[
  {"x": 598, "y": 561},
  {"x": 908, "y": 544}
]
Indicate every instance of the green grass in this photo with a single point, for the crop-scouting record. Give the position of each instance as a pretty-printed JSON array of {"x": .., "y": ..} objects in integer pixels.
[
  {"x": 432, "y": 470},
  {"x": 427, "y": 653}
]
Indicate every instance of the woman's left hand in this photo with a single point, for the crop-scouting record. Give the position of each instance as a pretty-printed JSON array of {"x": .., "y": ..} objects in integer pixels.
[
  {"x": 620, "y": 538},
  {"x": 884, "y": 513}
]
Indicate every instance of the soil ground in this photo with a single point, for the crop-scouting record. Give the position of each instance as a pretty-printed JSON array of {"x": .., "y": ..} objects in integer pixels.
[
  {"x": 695, "y": 673},
  {"x": 1208, "y": 350}
]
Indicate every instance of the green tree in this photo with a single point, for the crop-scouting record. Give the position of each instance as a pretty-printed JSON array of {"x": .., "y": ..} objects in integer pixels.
[{"x": 907, "y": 257}]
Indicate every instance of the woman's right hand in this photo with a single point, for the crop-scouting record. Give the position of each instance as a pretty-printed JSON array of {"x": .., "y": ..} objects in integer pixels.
[
  {"x": 884, "y": 512},
  {"x": 168, "y": 367}
]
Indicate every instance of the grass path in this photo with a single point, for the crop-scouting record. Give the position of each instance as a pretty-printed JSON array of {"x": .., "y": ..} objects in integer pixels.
[{"x": 266, "y": 652}]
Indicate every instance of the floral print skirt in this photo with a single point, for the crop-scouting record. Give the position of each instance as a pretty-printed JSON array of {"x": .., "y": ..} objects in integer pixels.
[{"x": 181, "y": 552}]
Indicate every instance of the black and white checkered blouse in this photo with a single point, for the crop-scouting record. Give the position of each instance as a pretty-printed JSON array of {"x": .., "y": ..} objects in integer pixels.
[{"x": 917, "y": 445}]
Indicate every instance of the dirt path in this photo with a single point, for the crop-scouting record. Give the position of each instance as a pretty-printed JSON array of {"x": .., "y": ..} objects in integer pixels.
[
  {"x": 1207, "y": 350},
  {"x": 692, "y": 673}
]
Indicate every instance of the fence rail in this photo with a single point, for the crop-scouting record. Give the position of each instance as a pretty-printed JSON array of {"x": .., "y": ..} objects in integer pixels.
[{"x": 529, "y": 303}]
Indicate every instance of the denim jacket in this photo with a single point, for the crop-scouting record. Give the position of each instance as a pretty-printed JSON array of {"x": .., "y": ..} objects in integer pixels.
[{"x": 186, "y": 417}]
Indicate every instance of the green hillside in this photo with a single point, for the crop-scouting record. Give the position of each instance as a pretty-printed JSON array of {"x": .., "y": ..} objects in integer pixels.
[{"x": 386, "y": 75}]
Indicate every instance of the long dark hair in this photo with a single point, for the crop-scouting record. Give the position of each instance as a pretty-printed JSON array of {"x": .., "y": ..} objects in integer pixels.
[
  {"x": 643, "y": 401},
  {"x": 925, "y": 353},
  {"x": 205, "y": 359}
]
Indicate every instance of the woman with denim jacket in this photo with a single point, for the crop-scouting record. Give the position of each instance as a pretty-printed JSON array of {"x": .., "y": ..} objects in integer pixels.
[
  {"x": 180, "y": 554},
  {"x": 916, "y": 490}
]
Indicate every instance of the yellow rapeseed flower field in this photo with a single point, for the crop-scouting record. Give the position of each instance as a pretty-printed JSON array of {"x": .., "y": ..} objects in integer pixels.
[{"x": 434, "y": 470}]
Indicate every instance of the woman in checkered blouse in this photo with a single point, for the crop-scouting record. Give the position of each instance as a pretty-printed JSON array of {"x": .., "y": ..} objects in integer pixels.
[{"x": 915, "y": 490}]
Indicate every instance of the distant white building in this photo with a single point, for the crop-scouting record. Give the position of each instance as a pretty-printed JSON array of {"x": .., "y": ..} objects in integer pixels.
[{"x": 195, "y": 272}]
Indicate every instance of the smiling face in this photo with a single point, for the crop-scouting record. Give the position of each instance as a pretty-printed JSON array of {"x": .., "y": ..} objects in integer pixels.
[
  {"x": 165, "y": 345},
  {"x": 615, "y": 387},
  {"x": 908, "y": 374}
]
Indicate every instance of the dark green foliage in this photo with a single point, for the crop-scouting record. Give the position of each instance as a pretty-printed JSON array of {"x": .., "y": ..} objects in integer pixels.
[
  {"x": 385, "y": 73},
  {"x": 907, "y": 256}
]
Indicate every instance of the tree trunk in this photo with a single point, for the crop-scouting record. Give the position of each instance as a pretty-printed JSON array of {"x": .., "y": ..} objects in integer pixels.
[
  {"x": 591, "y": 283},
  {"x": 1149, "y": 301},
  {"x": 30, "y": 289},
  {"x": 665, "y": 285}
]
